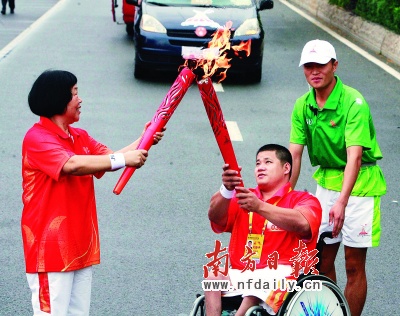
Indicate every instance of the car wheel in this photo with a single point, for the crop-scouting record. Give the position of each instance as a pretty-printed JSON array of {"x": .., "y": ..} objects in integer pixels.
[
  {"x": 139, "y": 71},
  {"x": 129, "y": 29}
]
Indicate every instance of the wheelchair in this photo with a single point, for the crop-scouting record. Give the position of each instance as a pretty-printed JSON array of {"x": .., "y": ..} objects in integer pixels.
[{"x": 327, "y": 300}]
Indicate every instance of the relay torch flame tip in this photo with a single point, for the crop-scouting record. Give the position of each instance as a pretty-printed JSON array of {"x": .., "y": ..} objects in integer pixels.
[{"x": 202, "y": 64}]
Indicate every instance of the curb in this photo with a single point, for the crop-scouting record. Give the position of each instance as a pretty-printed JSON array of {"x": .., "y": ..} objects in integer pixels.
[{"x": 372, "y": 35}]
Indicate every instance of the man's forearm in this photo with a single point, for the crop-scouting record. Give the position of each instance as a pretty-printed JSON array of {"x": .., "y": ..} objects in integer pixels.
[
  {"x": 295, "y": 172},
  {"x": 296, "y": 151},
  {"x": 286, "y": 218},
  {"x": 351, "y": 171},
  {"x": 218, "y": 211},
  {"x": 350, "y": 176}
]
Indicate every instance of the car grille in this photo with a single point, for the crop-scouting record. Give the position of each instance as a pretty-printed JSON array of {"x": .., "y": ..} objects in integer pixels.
[
  {"x": 189, "y": 38},
  {"x": 186, "y": 42},
  {"x": 189, "y": 34}
]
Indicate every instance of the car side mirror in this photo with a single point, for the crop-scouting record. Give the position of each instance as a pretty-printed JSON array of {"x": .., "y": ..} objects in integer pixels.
[
  {"x": 134, "y": 2},
  {"x": 265, "y": 4}
]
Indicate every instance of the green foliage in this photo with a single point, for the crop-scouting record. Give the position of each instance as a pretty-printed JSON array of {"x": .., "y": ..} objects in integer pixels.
[
  {"x": 346, "y": 4},
  {"x": 383, "y": 12}
]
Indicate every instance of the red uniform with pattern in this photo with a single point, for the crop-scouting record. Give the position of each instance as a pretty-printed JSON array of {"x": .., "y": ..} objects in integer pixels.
[
  {"x": 275, "y": 238},
  {"x": 59, "y": 220}
]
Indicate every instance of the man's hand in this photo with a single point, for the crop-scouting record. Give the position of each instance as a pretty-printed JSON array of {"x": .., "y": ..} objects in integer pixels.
[
  {"x": 230, "y": 178},
  {"x": 248, "y": 200},
  {"x": 336, "y": 218},
  {"x": 219, "y": 204}
]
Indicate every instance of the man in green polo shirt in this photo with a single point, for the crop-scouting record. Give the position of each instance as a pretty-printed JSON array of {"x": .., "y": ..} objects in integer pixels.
[{"x": 334, "y": 122}]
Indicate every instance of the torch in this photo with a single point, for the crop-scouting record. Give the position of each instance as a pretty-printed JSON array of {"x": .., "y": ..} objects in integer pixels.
[
  {"x": 209, "y": 60},
  {"x": 215, "y": 59},
  {"x": 160, "y": 119},
  {"x": 218, "y": 125}
]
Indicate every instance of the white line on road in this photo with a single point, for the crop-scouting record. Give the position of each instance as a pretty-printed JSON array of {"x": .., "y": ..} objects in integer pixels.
[
  {"x": 10, "y": 46},
  {"x": 218, "y": 87},
  {"x": 354, "y": 47},
  {"x": 234, "y": 131},
  {"x": 232, "y": 126}
]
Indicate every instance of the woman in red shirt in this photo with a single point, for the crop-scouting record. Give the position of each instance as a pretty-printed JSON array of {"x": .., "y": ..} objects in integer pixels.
[{"x": 59, "y": 220}]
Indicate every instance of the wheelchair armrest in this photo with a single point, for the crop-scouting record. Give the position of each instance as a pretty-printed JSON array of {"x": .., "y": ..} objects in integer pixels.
[
  {"x": 321, "y": 240},
  {"x": 321, "y": 243},
  {"x": 326, "y": 235}
]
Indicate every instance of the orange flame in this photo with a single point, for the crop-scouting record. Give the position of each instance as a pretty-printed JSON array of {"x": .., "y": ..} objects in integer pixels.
[{"x": 212, "y": 61}]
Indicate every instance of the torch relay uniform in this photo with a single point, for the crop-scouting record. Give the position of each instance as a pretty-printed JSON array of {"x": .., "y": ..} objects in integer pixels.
[
  {"x": 59, "y": 220},
  {"x": 241, "y": 223},
  {"x": 344, "y": 121}
]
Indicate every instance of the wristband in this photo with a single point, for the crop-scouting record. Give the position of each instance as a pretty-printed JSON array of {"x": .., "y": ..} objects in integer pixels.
[
  {"x": 227, "y": 194},
  {"x": 117, "y": 161}
]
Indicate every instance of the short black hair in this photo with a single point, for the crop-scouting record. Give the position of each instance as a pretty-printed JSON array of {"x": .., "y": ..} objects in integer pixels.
[
  {"x": 281, "y": 152},
  {"x": 51, "y": 92}
]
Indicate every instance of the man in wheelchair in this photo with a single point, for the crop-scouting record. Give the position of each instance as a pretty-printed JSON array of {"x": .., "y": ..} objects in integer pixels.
[{"x": 276, "y": 221}]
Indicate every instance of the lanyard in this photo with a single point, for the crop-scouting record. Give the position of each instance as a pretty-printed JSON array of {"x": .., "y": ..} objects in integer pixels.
[{"x": 266, "y": 220}]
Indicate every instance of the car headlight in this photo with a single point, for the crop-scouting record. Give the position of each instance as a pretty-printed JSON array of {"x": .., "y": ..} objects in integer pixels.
[
  {"x": 248, "y": 27},
  {"x": 151, "y": 24}
]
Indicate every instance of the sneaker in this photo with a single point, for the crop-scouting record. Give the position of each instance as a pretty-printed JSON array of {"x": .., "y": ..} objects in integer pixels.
[
  {"x": 3, "y": 11},
  {"x": 12, "y": 11}
]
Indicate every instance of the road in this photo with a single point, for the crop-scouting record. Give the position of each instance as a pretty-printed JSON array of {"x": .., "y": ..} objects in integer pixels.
[{"x": 155, "y": 234}]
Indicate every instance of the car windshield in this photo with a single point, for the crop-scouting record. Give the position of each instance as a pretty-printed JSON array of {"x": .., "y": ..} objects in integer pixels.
[{"x": 201, "y": 3}]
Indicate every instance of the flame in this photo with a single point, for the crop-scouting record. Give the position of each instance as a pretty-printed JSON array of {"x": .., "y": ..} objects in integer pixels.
[{"x": 215, "y": 59}]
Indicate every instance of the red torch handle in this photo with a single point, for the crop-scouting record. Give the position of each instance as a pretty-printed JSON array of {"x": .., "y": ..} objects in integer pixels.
[
  {"x": 145, "y": 143},
  {"x": 160, "y": 119},
  {"x": 216, "y": 118}
]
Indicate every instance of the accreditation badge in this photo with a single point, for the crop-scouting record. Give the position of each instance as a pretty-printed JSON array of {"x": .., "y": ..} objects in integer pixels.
[{"x": 255, "y": 242}]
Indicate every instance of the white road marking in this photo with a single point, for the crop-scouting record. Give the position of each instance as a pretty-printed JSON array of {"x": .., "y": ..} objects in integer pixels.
[
  {"x": 232, "y": 126},
  {"x": 354, "y": 47},
  {"x": 234, "y": 131},
  {"x": 218, "y": 87},
  {"x": 10, "y": 46}
]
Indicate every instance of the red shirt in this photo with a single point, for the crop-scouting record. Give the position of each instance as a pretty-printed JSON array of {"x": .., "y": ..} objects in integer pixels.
[
  {"x": 59, "y": 220},
  {"x": 275, "y": 239}
]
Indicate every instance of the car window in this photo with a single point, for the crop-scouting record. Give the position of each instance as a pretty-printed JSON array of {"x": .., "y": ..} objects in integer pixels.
[{"x": 211, "y": 3}]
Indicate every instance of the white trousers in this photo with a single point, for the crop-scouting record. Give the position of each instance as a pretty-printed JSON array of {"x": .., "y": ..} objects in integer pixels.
[{"x": 61, "y": 293}]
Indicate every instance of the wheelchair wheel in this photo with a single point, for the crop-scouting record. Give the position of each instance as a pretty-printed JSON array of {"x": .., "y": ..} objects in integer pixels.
[
  {"x": 198, "y": 308},
  {"x": 229, "y": 304},
  {"x": 257, "y": 311},
  {"x": 325, "y": 299}
]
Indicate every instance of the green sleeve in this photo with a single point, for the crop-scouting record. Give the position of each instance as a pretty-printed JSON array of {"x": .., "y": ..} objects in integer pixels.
[
  {"x": 297, "y": 132},
  {"x": 357, "y": 131}
]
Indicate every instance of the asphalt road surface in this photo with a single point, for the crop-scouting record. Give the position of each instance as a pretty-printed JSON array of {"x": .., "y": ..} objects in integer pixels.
[{"x": 155, "y": 234}]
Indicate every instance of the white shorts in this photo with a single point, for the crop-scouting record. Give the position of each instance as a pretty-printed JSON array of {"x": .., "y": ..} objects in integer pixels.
[
  {"x": 361, "y": 227},
  {"x": 269, "y": 285},
  {"x": 61, "y": 293}
]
